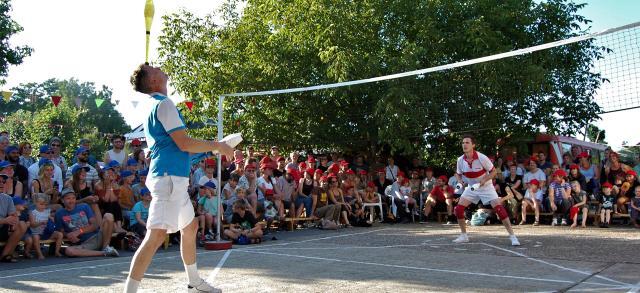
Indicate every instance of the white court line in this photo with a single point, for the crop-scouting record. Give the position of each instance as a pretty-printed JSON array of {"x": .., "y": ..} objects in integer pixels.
[
  {"x": 92, "y": 266},
  {"x": 410, "y": 267},
  {"x": 555, "y": 265},
  {"x": 212, "y": 275},
  {"x": 599, "y": 289},
  {"x": 338, "y": 247},
  {"x": 316, "y": 239},
  {"x": 635, "y": 288}
]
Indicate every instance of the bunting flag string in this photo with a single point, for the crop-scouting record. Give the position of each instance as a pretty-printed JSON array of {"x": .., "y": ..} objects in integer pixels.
[
  {"x": 189, "y": 104},
  {"x": 7, "y": 95},
  {"x": 99, "y": 102},
  {"x": 56, "y": 100},
  {"x": 117, "y": 102},
  {"x": 134, "y": 103}
]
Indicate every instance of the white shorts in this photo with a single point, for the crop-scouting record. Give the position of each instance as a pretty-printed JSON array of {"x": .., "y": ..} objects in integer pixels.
[
  {"x": 486, "y": 194},
  {"x": 170, "y": 208}
]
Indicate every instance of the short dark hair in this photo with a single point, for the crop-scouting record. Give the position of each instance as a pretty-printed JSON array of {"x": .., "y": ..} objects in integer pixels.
[
  {"x": 138, "y": 79},
  {"x": 469, "y": 136}
]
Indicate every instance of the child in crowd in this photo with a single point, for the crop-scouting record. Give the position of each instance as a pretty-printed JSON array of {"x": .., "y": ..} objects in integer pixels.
[
  {"x": 270, "y": 213},
  {"x": 405, "y": 189},
  {"x": 635, "y": 208},
  {"x": 532, "y": 200},
  {"x": 608, "y": 201},
  {"x": 243, "y": 225},
  {"x": 140, "y": 213},
  {"x": 579, "y": 202},
  {"x": 208, "y": 210},
  {"x": 22, "y": 213},
  {"x": 42, "y": 227},
  {"x": 241, "y": 194}
]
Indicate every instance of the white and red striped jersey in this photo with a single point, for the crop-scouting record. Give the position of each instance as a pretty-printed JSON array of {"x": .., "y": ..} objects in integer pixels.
[{"x": 472, "y": 170}]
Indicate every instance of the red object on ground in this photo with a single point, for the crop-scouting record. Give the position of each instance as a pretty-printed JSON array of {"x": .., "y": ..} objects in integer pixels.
[{"x": 218, "y": 245}]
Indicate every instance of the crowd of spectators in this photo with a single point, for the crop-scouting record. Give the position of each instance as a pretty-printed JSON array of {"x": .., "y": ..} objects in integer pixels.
[{"x": 84, "y": 201}]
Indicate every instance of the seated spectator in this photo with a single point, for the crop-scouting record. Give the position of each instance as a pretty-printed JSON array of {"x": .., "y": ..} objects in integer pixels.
[
  {"x": 79, "y": 225},
  {"x": 579, "y": 203},
  {"x": 19, "y": 171},
  {"x": 108, "y": 191},
  {"x": 336, "y": 197},
  {"x": 304, "y": 197},
  {"x": 559, "y": 197},
  {"x": 266, "y": 183},
  {"x": 125, "y": 197},
  {"x": 575, "y": 175},
  {"x": 45, "y": 184},
  {"x": 369, "y": 196},
  {"x": 286, "y": 190},
  {"x": 142, "y": 184},
  {"x": 12, "y": 186},
  {"x": 82, "y": 160},
  {"x": 84, "y": 190},
  {"x": 209, "y": 173},
  {"x": 41, "y": 224},
  {"x": 399, "y": 199},
  {"x": 46, "y": 153},
  {"x": 25, "y": 155},
  {"x": 441, "y": 194},
  {"x": 243, "y": 223},
  {"x": 407, "y": 193},
  {"x": 534, "y": 173},
  {"x": 627, "y": 190},
  {"x": 567, "y": 161},
  {"x": 229, "y": 195},
  {"x": 590, "y": 172},
  {"x": 608, "y": 204},
  {"x": 532, "y": 200},
  {"x": 4, "y": 143},
  {"x": 11, "y": 228},
  {"x": 208, "y": 210},
  {"x": 86, "y": 145},
  {"x": 635, "y": 208},
  {"x": 140, "y": 213}
]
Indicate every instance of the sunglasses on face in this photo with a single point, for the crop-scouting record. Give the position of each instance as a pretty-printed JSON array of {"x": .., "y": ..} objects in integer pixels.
[
  {"x": 49, "y": 153},
  {"x": 55, "y": 145}
]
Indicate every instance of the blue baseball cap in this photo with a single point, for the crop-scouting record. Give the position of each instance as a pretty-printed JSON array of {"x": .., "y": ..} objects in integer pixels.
[
  {"x": 44, "y": 161},
  {"x": 5, "y": 164},
  {"x": 145, "y": 191},
  {"x": 143, "y": 172},
  {"x": 45, "y": 149},
  {"x": 210, "y": 184},
  {"x": 18, "y": 201},
  {"x": 77, "y": 169},
  {"x": 11, "y": 148},
  {"x": 125, "y": 173},
  {"x": 81, "y": 150},
  {"x": 132, "y": 162},
  {"x": 114, "y": 164}
]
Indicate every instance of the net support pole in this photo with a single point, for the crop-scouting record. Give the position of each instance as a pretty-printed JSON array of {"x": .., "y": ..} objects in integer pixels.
[{"x": 219, "y": 187}]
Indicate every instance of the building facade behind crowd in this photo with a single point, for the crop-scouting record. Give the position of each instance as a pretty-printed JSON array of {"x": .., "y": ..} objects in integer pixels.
[{"x": 90, "y": 194}]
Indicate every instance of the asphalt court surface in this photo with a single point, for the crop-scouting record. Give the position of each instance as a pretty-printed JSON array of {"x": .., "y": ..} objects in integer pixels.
[{"x": 382, "y": 258}]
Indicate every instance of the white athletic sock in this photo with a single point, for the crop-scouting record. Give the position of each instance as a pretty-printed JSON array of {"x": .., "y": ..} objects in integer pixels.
[
  {"x": 131, "y": 286},
  {"x": 192, "y": 274}
]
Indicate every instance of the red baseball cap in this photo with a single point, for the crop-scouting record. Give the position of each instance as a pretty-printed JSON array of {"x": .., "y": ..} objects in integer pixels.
[
  {"x": 371, "y": 184},
  {"x": 209, "y": 162},
  {"x": 509, "y": 158},
  {"x": 136, "y": 142},
  {"x": 250, "y": 166},
  {"x": 583, "y": 155},
  {"x": 607, "y": 185},
  {"x": 310, "y": 171},
  {"x": 632, "y": 172},
  {"x": 560, "y": 173},
  {"x": 311, "y": 159},
  {"x": 443, "y": 178},
  {"x": 280, "y": 159},
  {"x": 363, "y": 172},
  {"x": 534, "y": 182},
  {"x": 344, "y": 163},
  {"x": 350, "y": 172},
  {"x": 319, "y": 171},
  {"x": 324, "y": 178},
  {"x": 401, "y": 174},
  {"x": 303, "y": 165},
  {"x": 573, "y": 166}
]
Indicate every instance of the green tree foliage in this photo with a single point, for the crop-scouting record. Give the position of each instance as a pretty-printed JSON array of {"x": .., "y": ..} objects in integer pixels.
[
  {"x": 595, "y": 134},
  {"x": 276, "y": 44},
  {"x": 9, "y": 55},
  {"x": 32, "y": 117}
]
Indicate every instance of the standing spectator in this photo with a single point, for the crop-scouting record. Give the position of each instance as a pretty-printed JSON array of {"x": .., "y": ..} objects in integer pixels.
[
  {"x": 11, "y": 228},
  {"x": 12, "y": 187},
  {"x": 57, "y": 158},
  {"x": 535, "y": 173},
  {"x": 140, "y": 213},
  {"x": 391, "y": 170},
  {"x": 20, "y": 171},
  {"x": 82, "y": 161},
  {"x": 559, "y": 197},
  {"x": 80, "y": 227},
  {"x": 25, "y": 154},
  {"x": 381, "y": 182},
  {"x": 4, "y": 143},
  {"x": 46, "y": 153},
  {"x": 579, "y": 203},
  {"x": 608, "y": 204},
  {"x": 117, "y": 152}
]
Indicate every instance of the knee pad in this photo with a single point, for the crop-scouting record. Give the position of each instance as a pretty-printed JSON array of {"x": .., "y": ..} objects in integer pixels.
[
  {"x": 459, "y": 211},
  {"x": 501, "y": 212}
]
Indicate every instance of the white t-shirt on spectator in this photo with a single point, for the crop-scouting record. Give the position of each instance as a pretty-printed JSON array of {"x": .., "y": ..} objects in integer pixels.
[
  {"x": 120, "y": 157},
  {"x": 538, "y": 195},
  {"x": 261, "y": 182},
  {"x": 204, "y": 179},
  {"x": 391, "y": 173},
  {"x": 538, "y": 174}
]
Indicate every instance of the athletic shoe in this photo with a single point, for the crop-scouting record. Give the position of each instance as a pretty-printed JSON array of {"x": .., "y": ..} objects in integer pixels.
[
  {"x": 203, "y": 287},
  {"x": 554, "y": 222},
  {"x": 209, "y": 237},
  {"x": 514, "y": 240},
  {"x": 463, "y": 238},
  {"x": 449, "y": 223},
  {"x": 564, "y": 222},
  {"x": 406, "y": 210},
  {"x": 110, "y": 251}
]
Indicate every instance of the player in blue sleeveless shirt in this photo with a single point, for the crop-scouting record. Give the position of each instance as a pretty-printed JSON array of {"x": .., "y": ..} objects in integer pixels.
[{"x": 170, "y": 209}]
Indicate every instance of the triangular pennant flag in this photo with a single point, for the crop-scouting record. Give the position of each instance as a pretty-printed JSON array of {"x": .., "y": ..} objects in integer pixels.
[
  {"x": 78, "y": 102},
  {"x": 56, "y": 100},
  {"x": 99, "y": 102},
  {"x": 117, "y": 102},
  {"x": 189, "y": 104},
  {"x": 134, "y": 103},
  {"x": 7, "y": 95}
]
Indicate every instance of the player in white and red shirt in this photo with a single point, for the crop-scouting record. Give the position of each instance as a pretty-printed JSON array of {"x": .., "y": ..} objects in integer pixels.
[{"x": 477, "y": 172}]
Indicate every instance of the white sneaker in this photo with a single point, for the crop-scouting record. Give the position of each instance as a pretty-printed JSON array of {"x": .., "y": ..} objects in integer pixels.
[
  {"x": 463, "y": 238},
  {"x": 203, "y": 287},
  {"x": 554, "y": 222},
  {"x": 110, "y": 251},
  {"x": 514, "y": 240},
  {"x": 564, "y": 222}
]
